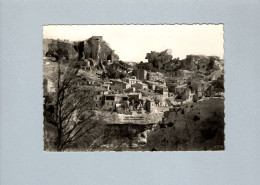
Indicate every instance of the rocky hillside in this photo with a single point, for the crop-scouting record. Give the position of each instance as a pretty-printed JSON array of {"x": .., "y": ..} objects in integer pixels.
[{"x": 194, "y": 126}]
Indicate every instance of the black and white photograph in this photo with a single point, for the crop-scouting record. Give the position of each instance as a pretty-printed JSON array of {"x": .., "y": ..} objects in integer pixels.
[
  {"x": 133, "y": 88},
  {"x": 130, "y": 92}
]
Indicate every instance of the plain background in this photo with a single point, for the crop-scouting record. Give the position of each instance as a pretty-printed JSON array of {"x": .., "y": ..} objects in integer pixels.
[{"x": 23, "y": 161}]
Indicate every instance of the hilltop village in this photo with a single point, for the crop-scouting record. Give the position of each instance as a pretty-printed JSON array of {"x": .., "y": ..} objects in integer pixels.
[{"x": 135, "y": 93}]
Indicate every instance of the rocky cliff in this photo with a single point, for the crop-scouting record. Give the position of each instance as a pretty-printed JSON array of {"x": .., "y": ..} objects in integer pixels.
[
  {"x": 200, "y": 63},
  {"x": 59, "y": 49},
  {"x": 94, "y": 48},
  {"x": 163, "y": 61}
]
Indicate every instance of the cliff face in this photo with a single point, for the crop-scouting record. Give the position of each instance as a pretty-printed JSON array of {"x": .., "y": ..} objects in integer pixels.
[
  {"x": 98, "y": 49},
  {"x": 57, "y": 48},
  {"x": 94, "y": 48}
]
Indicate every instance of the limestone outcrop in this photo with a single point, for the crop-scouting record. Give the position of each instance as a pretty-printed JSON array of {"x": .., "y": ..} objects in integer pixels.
[
  {"x": 97, "y": 49},
  {"x": 163, "y": 61},
  {"x": 60, "y": 49},
  {"x": 94, "y": 48}
]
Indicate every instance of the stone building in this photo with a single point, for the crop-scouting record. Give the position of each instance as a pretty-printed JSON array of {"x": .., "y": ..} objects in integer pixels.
[
  {"x": 110, "y": 102},
  {"x": 199, "y": 87},
  {"x": 120, "y": 86},
  {"x": 162, "y": 90},
  {"x": 150, "y": 105},
  {"x": 140, "y": 74},
  {"x": 140, "y": 86},
  {"x": 99, "y": 94},
  {"x": 155, "y": 76},
  {"x": 135, "y": 96},
  {"x": 107, "y": 85},
  {"x": 151, "y": 85},
  {"x": 131, "y": 80}
]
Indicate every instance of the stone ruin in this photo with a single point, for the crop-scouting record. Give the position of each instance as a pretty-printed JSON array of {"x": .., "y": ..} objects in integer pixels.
[{"x": 159, "y": 58}]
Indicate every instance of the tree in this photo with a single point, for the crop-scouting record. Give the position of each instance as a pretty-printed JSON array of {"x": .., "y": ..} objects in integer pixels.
[{"x": 73, "y": 116}]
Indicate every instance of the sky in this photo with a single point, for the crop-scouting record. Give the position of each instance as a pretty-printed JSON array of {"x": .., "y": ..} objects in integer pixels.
[{"x": 132, "y": 42}]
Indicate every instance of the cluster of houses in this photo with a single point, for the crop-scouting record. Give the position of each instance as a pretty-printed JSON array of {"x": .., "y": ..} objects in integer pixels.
[
  {"x": 143, "y": 91},
  {"x": 146, "y": 91},
  {"x": 120, "y": 95}
]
